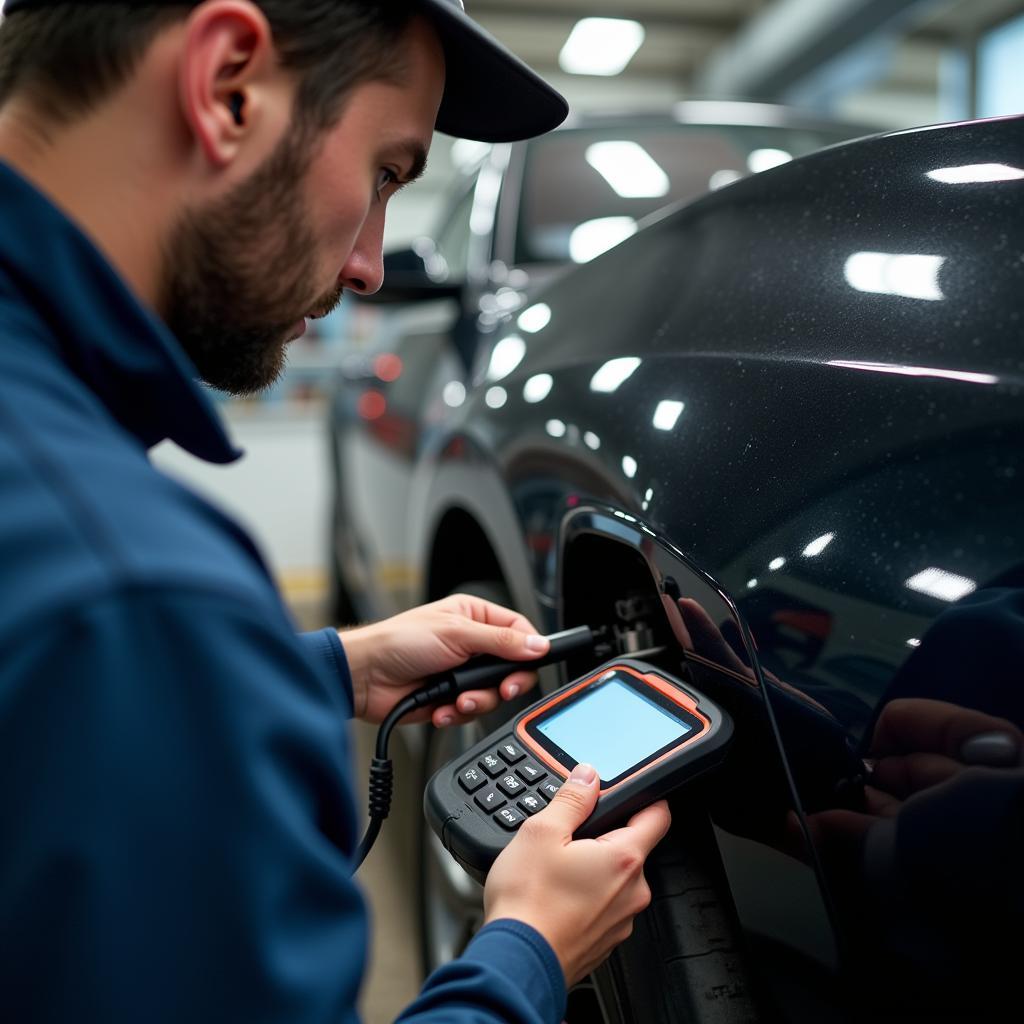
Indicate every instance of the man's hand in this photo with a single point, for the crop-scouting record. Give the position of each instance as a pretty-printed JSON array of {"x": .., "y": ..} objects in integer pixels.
[
  {"x": 581, "y": 895},
  {"x": 390, "y": 659}
]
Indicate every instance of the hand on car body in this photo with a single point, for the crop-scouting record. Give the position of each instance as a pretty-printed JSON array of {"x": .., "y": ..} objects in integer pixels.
[{"x": 581, "y": 895}]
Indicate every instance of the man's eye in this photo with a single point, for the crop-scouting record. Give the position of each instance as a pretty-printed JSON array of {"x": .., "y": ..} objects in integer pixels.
[{"x": 385, "y": 177}]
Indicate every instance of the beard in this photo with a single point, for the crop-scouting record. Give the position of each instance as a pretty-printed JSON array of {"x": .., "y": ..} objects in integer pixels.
[{"x": 237, "y": 275}]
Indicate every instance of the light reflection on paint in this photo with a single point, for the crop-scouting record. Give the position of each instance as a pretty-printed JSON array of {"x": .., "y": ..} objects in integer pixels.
[
  {"x": 909, "y": 275},
  {"x": 915, "y": 371},
  {"x": 613, "y": 374},
  {"x": 537, "y": 388},
  {"x": 946, "y": 586},
  {"x": 976, "y": 173},
  {"x": 818, "y": 545}
]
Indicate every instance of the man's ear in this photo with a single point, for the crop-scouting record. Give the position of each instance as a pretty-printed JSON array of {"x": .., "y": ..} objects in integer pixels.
[{"x": 227, "y": 59}]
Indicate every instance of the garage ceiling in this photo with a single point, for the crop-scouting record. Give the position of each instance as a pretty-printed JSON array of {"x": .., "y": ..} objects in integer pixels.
[
  {"x": 683, "y": 36},
  {"x": 680, "y": 33}
]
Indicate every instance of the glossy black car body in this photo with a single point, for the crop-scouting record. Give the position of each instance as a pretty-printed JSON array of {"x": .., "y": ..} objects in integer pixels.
[
  {"x": 791, "y": 412},
  {"x": 516, "y": 217}
]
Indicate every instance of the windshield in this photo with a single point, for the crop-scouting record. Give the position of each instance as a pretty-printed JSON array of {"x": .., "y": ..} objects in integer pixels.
[{"x": 584, "y": 190}]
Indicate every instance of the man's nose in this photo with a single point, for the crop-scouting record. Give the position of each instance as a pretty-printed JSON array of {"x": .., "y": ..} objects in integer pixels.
[{"x": 363, "y": 271}]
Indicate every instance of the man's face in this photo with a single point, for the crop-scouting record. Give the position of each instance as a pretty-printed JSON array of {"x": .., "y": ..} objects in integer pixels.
[{"x": 244, "y": 271}]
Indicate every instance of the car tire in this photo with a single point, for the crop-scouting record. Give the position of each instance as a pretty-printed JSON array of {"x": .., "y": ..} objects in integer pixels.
[{"x": 450, "y": 904}]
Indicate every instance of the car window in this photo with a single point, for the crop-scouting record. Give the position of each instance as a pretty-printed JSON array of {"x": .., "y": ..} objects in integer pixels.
[
  {"x": 584, "y": 190},
  {"x": 453, "y": 239}
]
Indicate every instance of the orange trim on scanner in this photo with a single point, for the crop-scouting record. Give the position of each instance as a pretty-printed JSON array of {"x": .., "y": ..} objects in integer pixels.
[{"x": 673, "y": 693}]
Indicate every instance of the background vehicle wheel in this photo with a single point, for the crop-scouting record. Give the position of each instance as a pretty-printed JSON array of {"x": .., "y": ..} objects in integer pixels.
[{"x": 451, "y": 905}]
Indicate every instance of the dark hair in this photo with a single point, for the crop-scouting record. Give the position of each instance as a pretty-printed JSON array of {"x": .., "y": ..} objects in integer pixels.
[{"x": 66, "y": 57}]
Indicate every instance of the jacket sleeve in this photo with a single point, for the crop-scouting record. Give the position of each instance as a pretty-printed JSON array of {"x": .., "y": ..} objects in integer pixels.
[
  {"x": 508, "y": 973},
  {"x": 325, "y": 649}
]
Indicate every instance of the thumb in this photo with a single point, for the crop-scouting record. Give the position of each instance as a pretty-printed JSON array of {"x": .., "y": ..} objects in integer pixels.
[{"x": 573, "y": 803}]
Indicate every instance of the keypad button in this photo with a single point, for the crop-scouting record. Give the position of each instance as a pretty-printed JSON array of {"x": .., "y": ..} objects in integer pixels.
[
  {"x": 510, "y": 753},
  {"x": 509, "y": 818},
  {"x": 493, "y": 765},
  {"x": 530, "y": 804},
  {"x": 531, "y": 772},
  {"x": 472, "y": 779},
  {"x": 548, "y": 789},
  {"x": 490, "y": 800},
  {"x": 511, "y": 786}
]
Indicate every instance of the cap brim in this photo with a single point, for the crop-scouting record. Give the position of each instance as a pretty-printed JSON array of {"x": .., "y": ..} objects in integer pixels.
[{"x": 490, "y": 95}]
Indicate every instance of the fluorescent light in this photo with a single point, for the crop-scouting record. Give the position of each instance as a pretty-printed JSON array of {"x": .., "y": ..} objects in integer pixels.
[
  {"x": 593, "y": 237},
  {"x": 818, "y": 545},
  {"x": 556, "y": 428},
  {"x": 667, "y": 413},
  {"x": 776, "y": 563},
  {"x": 454, "y": 393},
  {"x": 722, "y": 178},
  {"x": 946, "y": 586},
  {"x": 601, "y": 46},
  {"x": 535, "y": 318},
  {"x": 765, "y": 159},
  {"x": 591, "y": 440},
  {"x": 485, "y": 200},
  {"x": 630, "y": 170},
  {"x": 751, "y": 584},
  {"x": 971, "y": 173},
  {"x": 629, "y": 466},
  {"x": 466, "y": 153},
  {"x": 912, "y": 276},
  {"x": 649, "y": 494},
  {"x": 913, "y": 642},
  {"x": 611, "y": 376},
  {"x": 496, "y": 397},
  {"x": 916, "y": 371},
  {"x": 537, "y": 388},
  {"x": 507, "y": 355}
]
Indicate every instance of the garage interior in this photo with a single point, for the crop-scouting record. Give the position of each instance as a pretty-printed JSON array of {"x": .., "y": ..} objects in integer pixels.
[{"x": 888, "y": 64}]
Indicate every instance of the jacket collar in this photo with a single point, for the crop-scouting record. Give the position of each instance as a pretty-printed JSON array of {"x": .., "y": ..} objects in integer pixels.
[{"x": 106, "y": 336}]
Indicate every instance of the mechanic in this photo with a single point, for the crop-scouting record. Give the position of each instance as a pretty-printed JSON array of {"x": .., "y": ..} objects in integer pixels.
[{"x": 180, "y": 186}]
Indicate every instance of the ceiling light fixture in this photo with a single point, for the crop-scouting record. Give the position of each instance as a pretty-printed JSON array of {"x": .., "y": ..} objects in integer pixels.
[
  {"x": 601, "y": 46},
  {"x": 630, "y": 170}
]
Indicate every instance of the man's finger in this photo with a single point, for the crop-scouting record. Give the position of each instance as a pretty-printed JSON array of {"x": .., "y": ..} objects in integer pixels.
[
  {"x": 500, "y": 641},
  {"x": 491, "y": 614},
  {"x": 646, "y": 828},
  {"x": 573, "y": 803},
  {"x": 477, "y": 702}
]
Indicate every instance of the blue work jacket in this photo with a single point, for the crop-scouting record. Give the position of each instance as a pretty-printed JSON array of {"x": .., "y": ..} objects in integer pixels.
[{"x": 176, "y": 809}]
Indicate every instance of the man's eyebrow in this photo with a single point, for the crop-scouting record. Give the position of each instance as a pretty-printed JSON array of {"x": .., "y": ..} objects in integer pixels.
[{"x": 415, "y": 153}]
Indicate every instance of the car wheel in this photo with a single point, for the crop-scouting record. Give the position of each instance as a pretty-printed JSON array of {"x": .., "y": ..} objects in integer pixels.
[
  {"x": 340, "y": 607},
  {"x": 451, "y": 904}
]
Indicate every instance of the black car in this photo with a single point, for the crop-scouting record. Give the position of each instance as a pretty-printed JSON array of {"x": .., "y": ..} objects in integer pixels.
[
  {"x": 775, "y": 443},
  {"x": 516, "y": 218}
]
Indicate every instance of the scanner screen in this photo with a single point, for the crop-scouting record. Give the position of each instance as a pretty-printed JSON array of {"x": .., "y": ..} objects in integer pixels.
[{"x": 613, "y": 728}]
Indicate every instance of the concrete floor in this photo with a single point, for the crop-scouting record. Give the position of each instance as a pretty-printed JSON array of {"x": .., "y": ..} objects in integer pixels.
[{"x": 279, "y": 491}]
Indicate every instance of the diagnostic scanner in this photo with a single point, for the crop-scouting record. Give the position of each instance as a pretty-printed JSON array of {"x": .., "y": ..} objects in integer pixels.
[{"x": 644, "y": 731}]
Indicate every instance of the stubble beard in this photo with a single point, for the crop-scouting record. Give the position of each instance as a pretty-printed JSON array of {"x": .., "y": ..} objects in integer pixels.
[{"x": 238, "y": 273}]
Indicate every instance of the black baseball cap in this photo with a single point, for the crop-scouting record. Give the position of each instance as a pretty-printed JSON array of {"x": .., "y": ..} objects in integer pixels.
[{"x": 490, "y": 95}]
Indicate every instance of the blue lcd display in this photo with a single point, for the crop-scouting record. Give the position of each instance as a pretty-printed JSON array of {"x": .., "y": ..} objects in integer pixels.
[{"x": 613, "y": 728}]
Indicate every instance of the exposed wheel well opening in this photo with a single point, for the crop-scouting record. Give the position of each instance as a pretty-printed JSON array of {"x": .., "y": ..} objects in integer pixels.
[{"x": 461, "y": 552}]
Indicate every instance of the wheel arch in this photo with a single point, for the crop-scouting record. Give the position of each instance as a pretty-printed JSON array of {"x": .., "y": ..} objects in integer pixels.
[{"x": 470, "y": 530}]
